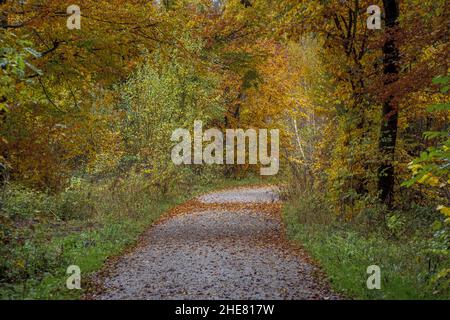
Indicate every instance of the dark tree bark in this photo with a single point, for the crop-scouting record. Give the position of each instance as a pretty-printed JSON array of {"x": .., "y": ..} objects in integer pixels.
[
  {"x": 3, "y": 16},
  {"x": 3, "y": 167},
  {"x": 388, "y": 131},
  {"x": 246, "y": 3}
]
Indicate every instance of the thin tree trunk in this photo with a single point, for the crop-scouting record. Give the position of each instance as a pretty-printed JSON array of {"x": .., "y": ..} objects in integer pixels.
[
  {"x": 3, "y": 165},
  {"x": 388, "y": 131}
]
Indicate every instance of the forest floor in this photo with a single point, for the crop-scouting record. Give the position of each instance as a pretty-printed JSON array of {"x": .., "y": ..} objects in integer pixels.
[{"x": 227, "y": 244}]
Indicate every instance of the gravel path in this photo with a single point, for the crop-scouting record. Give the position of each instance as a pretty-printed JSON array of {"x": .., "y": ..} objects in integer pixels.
[
  {"x": 216, "y": 254},
  {"x": 242, "y": 195}
]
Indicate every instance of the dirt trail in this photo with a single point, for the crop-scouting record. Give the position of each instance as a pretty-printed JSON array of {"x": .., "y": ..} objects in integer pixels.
[{"x": 223, "y": 245}]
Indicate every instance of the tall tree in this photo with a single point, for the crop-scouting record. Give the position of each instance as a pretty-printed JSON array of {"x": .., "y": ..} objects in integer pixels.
[{"x": 389, "y": 122}]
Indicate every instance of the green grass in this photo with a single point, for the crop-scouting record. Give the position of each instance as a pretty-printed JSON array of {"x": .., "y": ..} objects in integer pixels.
[
  {"x": 88, "y": 249},
  {"x": 344, "y": 253},
  {"x": 106, "y": 222}
]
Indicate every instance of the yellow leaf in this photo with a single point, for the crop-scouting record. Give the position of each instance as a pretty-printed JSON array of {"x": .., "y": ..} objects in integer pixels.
[{"x": 444, "y": 210}]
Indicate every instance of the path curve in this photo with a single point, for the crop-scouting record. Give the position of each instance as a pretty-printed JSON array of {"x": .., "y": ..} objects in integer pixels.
[{"x": 224, "y": 245}]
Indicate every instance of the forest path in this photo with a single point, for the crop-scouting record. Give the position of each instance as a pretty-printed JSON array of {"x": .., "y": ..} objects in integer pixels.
[{"x": 223, "y": 245}]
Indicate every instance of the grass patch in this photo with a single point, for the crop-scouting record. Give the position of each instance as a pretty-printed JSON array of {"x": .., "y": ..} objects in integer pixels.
[
  {"x": 344, "y": 251},
  {"x": 43, "y": 234}
]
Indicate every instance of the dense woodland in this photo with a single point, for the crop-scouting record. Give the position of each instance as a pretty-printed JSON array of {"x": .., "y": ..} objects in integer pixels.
[{"x": 87, "y": 115}]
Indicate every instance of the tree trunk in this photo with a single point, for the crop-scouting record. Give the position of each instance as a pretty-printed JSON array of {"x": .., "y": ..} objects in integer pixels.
[
  {"x": 3, "y": 156},
  {"x": 388, "y": 131},
  {"x": 3, "y": 16}
]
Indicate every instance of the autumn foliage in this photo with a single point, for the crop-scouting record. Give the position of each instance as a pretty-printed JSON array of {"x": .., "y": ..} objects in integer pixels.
[{"x": 352, "y": 103}]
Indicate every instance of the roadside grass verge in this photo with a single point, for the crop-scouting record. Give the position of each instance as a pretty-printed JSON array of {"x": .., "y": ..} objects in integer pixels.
[
  {"x": 43, "y": 234},
  {"x": 344, "y": 251}
]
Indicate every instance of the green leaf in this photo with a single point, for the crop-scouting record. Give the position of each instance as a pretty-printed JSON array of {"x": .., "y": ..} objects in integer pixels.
[
  {"x": 3, "y": 107},
  {"x": 439, "y": 107},
  {"x": 434, "y": 134},
  {"x": 33, "y": 52},
  {"x": 441, "y": 80}
]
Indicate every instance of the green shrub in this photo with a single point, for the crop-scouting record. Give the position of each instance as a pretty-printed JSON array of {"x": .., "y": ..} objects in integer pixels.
[
  {"x": 75, "y": 201},
  {"x": 18, "y": 202}
]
